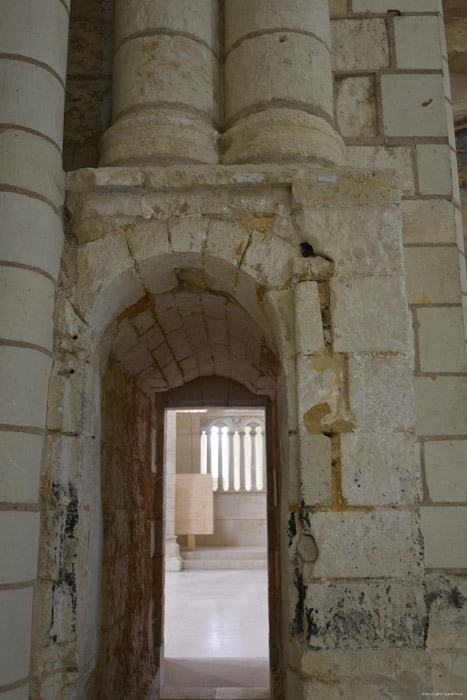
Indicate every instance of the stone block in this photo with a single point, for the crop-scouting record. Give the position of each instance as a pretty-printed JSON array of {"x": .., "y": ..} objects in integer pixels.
[
  {"x": 309, "y": 336},
  {"x": 29, "y": 162},
  {"x": 446, "y": 472},
  {"x": 356, "y": 107},
  {"x": 315, "y": 469},
  {"x": 365, "y": 616},
  {"x": 188, "y": 234},
  {"x": 176, "y": 69},
  {"x": 267, "y": 260},
  {"x": 369, "y": 314},
  {"x": 20, "y": 467},
  {"x": 107, "y": 282},
  {"x": 432, "y": 275},
  {"x": 381, "y": 392},
  {"x": 19, "y": 539},
  {"x": 358, "y": 544},
  {"x": 380, "y": 469},
  {"x": 434, "y": 169},
  {"x": 338, "y": 7},
  {"x": 226, "y": 240},
  {"x": 397, "y": 158},
  {"x": 374, "y": 674},
  {"x": 27, "y": 306},
  {"x": 24, "y": 378},
  {"x": 32, "y": 98},
  {"x": 36, "y": 29},
  {"x": 413, "y": 105},
  {"x": 449, "y": 672},
  {"x": 15, "y": 635},
  {"x": 344, "y": 187},
  {"x": 282, "y": 72},
  {"x": 428, "y": 221},
  {"x": 444, "y": 530},
  {"x": 418, "y": 43},
  {"x": 386, "y": 5},
  {"x": 33, "y": 233},
  {"x": 65, "y": 397},
  {"x": 363, "y": 239},
  {"x": 359, "y": 44},
  {"x": 441, "y": 339},
  {"x": 441, "y": 405},
  {"x": 244, "y": 18},
  {"x": 321, "y": 396},
  {"x": 447, "y": 604}
]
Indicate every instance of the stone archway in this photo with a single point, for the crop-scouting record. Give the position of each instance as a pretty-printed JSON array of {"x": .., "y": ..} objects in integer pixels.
[{"x": 190, "y": 345}]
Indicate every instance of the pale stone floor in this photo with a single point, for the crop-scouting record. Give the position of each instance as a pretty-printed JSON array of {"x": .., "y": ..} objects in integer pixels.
[{"x": 216, "y": 634}]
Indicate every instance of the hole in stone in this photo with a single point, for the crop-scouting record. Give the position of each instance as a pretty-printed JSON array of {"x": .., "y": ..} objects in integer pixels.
[
  {"x": 72, "y": 371},
  {"x": 75, "y": 337},
  {"x": 307, "y": 249},
  {"x": 282, "y": 38}
]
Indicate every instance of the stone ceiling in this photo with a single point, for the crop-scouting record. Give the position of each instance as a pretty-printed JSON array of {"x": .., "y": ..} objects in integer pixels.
[{"x": 175, "y": 337}]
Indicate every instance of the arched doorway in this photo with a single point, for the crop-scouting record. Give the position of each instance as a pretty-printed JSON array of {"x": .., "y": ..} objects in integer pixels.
[{"x": 191, "y": 346}]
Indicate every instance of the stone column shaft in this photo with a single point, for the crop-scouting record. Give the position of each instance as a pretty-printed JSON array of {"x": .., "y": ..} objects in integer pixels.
[
  {"x": 165, "y": 83},
  {"x": 278, "y": 82},
  {"x": 34, "y": 36}
]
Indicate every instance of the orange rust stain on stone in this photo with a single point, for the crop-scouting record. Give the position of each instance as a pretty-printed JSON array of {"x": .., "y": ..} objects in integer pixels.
[
  {"x": 314, "y": 416},
  {"x": 424, "y": 298},
  {"x": 135, "y": 309},
  {"x": 262, "y": 222},
  {"x": 334, "y": 362}
]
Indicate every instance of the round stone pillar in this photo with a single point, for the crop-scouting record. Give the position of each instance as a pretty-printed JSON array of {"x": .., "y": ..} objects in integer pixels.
[
  {"x": 165, "y": 83},
  {"x": 34, "y": 36},
  {"x": 278, "y": 83}
]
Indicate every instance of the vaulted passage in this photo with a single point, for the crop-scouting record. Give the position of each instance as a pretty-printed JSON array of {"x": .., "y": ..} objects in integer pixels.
[{"x": 192, "y": 346}]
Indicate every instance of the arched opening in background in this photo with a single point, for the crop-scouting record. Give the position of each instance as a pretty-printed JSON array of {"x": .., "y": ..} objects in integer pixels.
[{"x": 192, "y": 346}]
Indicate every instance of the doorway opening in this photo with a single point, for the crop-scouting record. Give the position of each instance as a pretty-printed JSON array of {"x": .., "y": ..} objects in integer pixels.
[
  {"x": 216, "y": 627},
  {"x": 190, "y": 348}
]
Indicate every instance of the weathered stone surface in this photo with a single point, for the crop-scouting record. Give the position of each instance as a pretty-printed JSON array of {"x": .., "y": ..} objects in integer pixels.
[
  {"x": 308, "y": 323},
  {"x": 413, "y": 105},
  {"x": 15, "y": 643},
  {"x": 432, "y": 275},
  {"x": 418, "y": 42},
  {"x": 428, "y": 221},
  {"x": 19, "y": 541},
  {"x": 397, "y": 158},
  {"x": 381, "y": 392},
  {"x": 442, "y": 549},
  {"x": 434, "y": 169},
  {"x": 349, "y": 36},
  {"x": 315, "y": 469},
  {"x": 364, "y": 615},
  {"x": 321, "y": 397},
  {"x": 446, "y": 474},
  {"x": 440, "y": 405},
  {"x": 447, "y": 605},
  {"x": 441, "y": 340},
  {"x": 356, "y": 107},
  {"x": 369, "y": 314},
  {"x": 387, "y": 541},
  {"x": 380, "y": 469}
]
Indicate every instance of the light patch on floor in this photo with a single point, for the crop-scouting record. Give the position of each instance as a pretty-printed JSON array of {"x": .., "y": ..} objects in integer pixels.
[{"x": 216, "y": 634}]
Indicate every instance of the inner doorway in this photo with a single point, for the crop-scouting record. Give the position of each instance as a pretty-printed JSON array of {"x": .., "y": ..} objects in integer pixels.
[{"x": 216, "y": 628}]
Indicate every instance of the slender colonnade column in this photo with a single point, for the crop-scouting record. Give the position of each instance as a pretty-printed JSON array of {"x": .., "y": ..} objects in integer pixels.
[
  {"x": 165, "y": 83},
  {"x": 278, "y": 82},
  {"x": 33, "y": 37}
]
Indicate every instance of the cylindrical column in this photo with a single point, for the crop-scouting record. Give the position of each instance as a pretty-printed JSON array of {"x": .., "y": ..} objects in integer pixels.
[
  {"x": 278, "y": 82},
  {"x": 32, "y": 75},
  {"x": 172, "y": 558},
  {"x": 165, "y": 83}
]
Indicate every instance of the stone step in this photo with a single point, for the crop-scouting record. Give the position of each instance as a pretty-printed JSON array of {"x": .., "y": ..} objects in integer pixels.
[
  {"x": 261, "y": 693},
  {"x": 221, "y": 564},
  {"x": 254, "y": 553}
]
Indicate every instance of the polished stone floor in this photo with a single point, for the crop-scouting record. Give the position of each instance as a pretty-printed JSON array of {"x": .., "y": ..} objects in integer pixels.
[{"x": 216, "y": 633}]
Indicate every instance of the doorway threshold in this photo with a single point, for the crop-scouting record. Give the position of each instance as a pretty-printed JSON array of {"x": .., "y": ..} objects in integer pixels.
[{"x": 174, "y": 693}]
